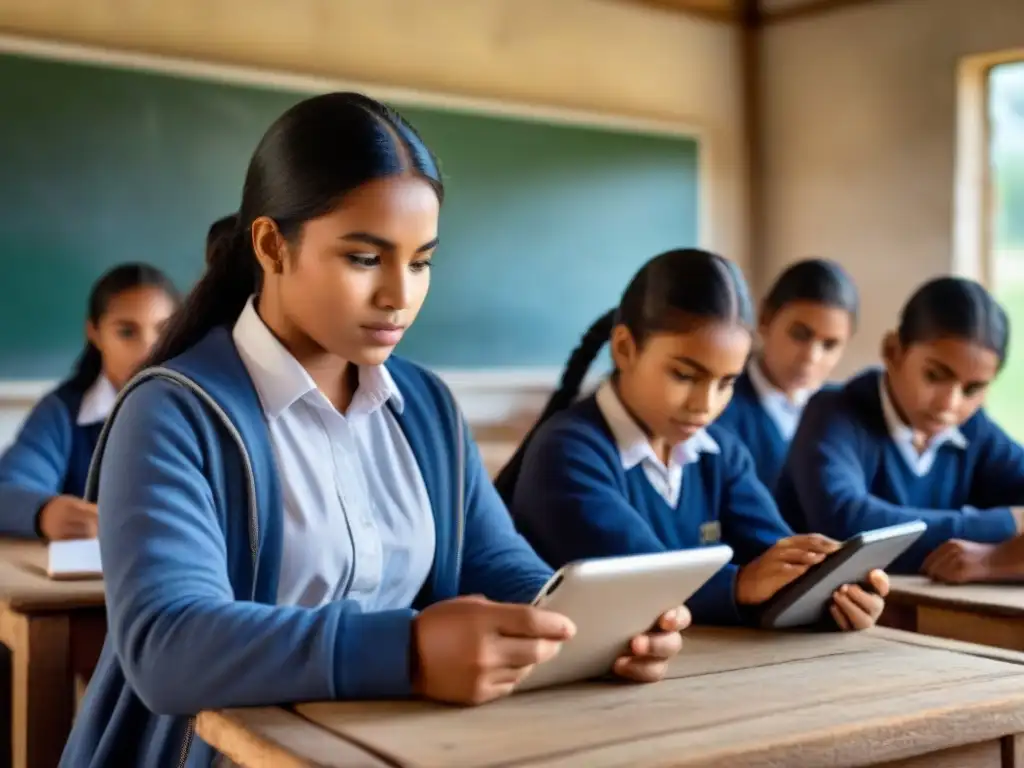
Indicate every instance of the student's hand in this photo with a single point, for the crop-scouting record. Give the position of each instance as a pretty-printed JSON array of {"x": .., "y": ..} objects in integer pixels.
[
  {"x": 759, "y": 579},
  {"x": 961, "y": 562},
  {"x": 1018, "y": 518},
  {"x": 651, "y": 653},
  {"x": 470, "y": 650},
  {"x": 855, "y": 608},
  {"x": 68, "y": 517}
]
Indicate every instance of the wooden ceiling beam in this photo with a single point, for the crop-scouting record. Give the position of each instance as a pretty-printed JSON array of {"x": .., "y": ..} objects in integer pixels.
[
  {"x": 721, "y": 12},
  {"x": 809, "y": 8},
  {"x": 740, "y": 12}
]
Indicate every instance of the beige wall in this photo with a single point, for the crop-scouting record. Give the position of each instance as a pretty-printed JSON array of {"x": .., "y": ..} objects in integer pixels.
[
  {"x": 598, "y": 55},
  {"x": 860, "y": 125}
]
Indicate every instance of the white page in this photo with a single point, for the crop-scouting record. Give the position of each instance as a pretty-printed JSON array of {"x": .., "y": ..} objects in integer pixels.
[{"x": 76, "y": 559}]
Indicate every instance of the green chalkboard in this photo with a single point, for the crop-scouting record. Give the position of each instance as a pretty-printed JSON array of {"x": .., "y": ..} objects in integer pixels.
[{"x": 542, "y": 225}]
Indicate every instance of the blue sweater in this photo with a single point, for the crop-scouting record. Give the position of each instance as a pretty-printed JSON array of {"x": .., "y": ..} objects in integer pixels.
[
  {"x": 190, "y": 535},
  {"x": 747, "y": 418},
  {"x": 574, "y": 500},
  {"x": 50, "y": 457},
  {"x": 844, "y": 475}
]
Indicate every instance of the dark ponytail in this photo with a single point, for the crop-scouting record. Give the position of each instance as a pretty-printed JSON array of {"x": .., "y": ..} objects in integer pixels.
[
  {"x": 954, "y": 307},
  {"x": 568, "y": 390},
  {"x": 676, "y": 290},
  {"x": 819, "y": 281},
  {"x": 114, "y": 282},
  {"x": 309, "y": 159}
]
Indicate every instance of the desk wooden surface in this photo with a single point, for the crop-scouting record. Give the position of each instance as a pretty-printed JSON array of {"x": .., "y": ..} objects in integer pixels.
[
  {"x": 25, "y": 587},
  {"x": 54, "y": 631},
  {"x": 991, "y": 599},
  {"x": 737, "y": 698},
  {"x": 990, "y": 614}
]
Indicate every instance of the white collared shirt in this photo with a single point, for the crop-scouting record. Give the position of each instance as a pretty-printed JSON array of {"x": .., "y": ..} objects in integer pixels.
[
  {"x": 357, "y": 517},
  {"x": 784, "y": 411},
  {"x": 635, "y": 448},
  {"x": 97, "y": 402},
  {"x": 903, "y": 436}
]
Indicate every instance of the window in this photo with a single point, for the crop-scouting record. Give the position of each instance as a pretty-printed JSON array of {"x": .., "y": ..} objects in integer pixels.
[{"x": 1006, "y": 225}]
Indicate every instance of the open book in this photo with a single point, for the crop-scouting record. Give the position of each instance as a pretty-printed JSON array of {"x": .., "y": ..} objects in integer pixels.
[{"x": 78, "y": 559}]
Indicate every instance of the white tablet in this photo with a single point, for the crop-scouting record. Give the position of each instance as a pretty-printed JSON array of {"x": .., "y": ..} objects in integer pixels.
[{"x": 613, "y": 599}]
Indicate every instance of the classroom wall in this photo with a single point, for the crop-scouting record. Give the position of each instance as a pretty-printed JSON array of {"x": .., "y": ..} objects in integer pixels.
[
  {"x": 859, "y": 141},
  {"x": 595, "y": 55},
  {"x": 599, "y": 55}
]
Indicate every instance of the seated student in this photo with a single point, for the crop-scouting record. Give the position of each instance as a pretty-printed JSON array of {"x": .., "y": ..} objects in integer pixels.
[
  {"x": 639, "y": 468},
  {"x": 43, "y": 472},
  {"x": 911, "y": 441},
  {"x": 288, "y": 514},
  {"x": 806, "y": 319}
]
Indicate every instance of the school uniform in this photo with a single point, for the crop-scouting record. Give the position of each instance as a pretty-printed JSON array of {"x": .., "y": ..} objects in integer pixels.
[
  {"x": 852, "y": 467},
  {"x": 765, "y": 419},
  {"x": 51, "y": 454},
  {"x": 591, "y": 486},
  {"x": 267, "y": 549}
]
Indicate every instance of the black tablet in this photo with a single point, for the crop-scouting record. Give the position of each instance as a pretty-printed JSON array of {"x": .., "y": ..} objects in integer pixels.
[{"x": 806, "y": 600}]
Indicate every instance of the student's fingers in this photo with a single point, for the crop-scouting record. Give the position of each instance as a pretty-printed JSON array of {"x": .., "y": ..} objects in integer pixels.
[
  {"x": 519, "y": 652},
  {"x": 782, "y": 573},
  {"x": 76, "y": 529},
  {"x": 857, "y": 618},
  {"x": 812, "y": 542},
  {"x": 940, "y": 554},
  {"x": 640, "y": 670},
  {"x": 499, "y": 684},
  {"x": 514, "y": 620},
  {"x": 945, "y": 565},
  {"x": 879, "y": 581},
  {"x": 675, "y": 620},
  {"x": 656, "y": 645},
  {"x": 870, "y": 604},
  {"x": 840, "y": 619},
  {"x": 796, "y": 556},
  {"x": 86, "y": 509}
]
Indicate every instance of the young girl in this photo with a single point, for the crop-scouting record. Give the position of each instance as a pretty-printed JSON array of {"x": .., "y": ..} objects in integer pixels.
[
  {"x": 911, "y": 442},
  {"x": 42, "y": 474},
  {"x": 639, "y": 467},
  {"x": 288, "y": 514},
  {"x": 806, "y": 320}
]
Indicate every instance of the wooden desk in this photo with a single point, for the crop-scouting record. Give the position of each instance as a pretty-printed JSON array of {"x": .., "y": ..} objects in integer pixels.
[
  {"x": 54, "y": 630},
  {"x": 738, "y": 698},
  {"x": 990, "y": 614}
]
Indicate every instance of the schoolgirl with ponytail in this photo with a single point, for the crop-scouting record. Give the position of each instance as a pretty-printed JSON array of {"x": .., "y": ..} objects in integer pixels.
[
  {"x": 43, "y": 472},
  {"x": 912, "y": 441},
  {"x": 639, "y": 467},
  {"x": 290, "y": 513}
]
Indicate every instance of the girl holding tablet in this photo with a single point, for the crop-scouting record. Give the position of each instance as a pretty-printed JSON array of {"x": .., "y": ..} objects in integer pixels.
[
  {"x": 806, "y": 320},
  {"x": 640, "y": 468},
  {"x": 911, "y": 441},
  {"x": 288, "y": 514},
  {"x": 42, "y": 474}
]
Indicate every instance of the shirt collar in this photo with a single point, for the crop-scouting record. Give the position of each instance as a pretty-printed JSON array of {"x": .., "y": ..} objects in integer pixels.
[
  {"x": 769, "y": 393},
  {"x": 97, "y": 402},
  {"x": 281, "y": 381},
  {"x": 633, "y": 445},
  {"x": 903, "y": 434}
]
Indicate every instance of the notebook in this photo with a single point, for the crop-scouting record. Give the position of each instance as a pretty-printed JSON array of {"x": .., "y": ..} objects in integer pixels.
[{"x": 78, "y": 559}]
